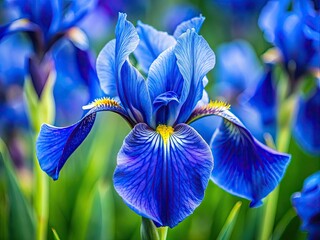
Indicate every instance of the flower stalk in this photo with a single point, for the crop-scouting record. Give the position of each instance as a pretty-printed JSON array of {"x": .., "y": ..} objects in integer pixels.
[{"x": 285, "y": 117}]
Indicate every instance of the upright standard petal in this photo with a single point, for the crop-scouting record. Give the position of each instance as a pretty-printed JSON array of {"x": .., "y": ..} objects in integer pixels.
[
  {"x": 106, "y": 69},
  {"x": 133, "y": 93},
  {"x": 165, "y": 79},
  {"x": 152, "y": 44},
  {"x": 194, "y": 23},
  {"x": 162, "y": 174},
  {"x": 22, "y": 24},
  {"x": 195, "y": 59},
  {"x": 55, "y": 145},
  {"x": 127, "y": 40},
  {"x": 243, "y": 166},
  {"x": 307, "y": 127}
]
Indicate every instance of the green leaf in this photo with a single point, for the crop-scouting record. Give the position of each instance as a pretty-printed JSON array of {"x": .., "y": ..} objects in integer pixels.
[
  {"x": 40, "y": 110},
  {"x": 148, "y": 230},
  {"x": 101, "y": 224},
  {"x": 21, "y": 220},
  {"x": 283, "y": 223},
  {"x": 228, "y": 226},
  {"x": 55, "y": 234}
]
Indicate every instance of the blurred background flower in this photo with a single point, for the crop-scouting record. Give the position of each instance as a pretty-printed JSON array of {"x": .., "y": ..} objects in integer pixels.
[{"x": 307, "y": 205}]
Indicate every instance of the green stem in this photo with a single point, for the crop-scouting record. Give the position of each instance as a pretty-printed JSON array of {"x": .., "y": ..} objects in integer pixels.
[
  {"x": 286, "y": 111},
  {"x": 41, "y": 201},
  {"x": 163, "y": 231},
  {"x": 40, "y": 110}
]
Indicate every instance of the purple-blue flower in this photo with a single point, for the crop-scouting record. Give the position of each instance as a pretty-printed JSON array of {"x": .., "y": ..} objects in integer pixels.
[
  {"x": 164, "y": 165},
  {"x": 253, "y": 96},
  {"x": 249, "y": 87},
  {"x": 294, "y": 34},
  {"x": 307, "y": 206},
  {"x": 45, "y": 23}
]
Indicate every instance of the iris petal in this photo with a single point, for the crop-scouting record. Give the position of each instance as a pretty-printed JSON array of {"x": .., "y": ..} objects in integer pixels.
[
  {"x": 127, "y": 40},
  {"x": 55, "y": 145},
  {"x": 195, "y": 23},
  {"x": 195, "y": 59},
  {"x": 118, "y": 77},
  {"x": 152, "y": 43},
  {"x": 163, "y": 178},
  {"x": 164, "y": 76},
  {"x": 17, "y": 26},
  {"x": 307, "y": 205},
  {"x": 307, "y": 127},
  {"x": 243, "y": 166},
  {"x": 133, "y": 93},
  {"x": 106, "y": 69}
]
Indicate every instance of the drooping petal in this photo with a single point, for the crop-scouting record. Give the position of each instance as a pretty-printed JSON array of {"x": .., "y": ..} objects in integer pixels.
[
  {"x": 152, "y": 43},
  {"x": 307, "y": 127},
  {"x": 162, "y": 174},
  {"x": 195, "y": 23},
  {"x": 243, "y": 166},
  {"x": 195, "y": 59},
  {"x": 55, "y": 145}
]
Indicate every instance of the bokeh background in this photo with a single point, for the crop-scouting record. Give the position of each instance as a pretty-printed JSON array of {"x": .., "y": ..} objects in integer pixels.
[{"x": 83, "y": 203}]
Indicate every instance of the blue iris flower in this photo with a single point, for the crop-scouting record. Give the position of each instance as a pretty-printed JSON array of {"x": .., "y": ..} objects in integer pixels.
[
  {"x": 249, "y": 87},
  {"x": 295, "y": 34},
  {"x": 46, "y": 23},
  {"x": 307, "y": 205},
  {"x": 164, "y": 165},
  {"x": 253, "y": 96}
]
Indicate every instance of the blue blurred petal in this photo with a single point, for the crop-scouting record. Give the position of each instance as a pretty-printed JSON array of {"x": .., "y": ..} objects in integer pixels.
[
  {"x": 55, "y": 145},
  {"x": 243, "y": 166},
  {"x": 195, "y": 59},
  {"x": 264, "y": 102},
  {"x": 17, "y": 26},
  {"x": 236, "y": 70},
  {"x": 307, "y": 205},
  {"x": 163, "y": 181},
  {"x": 75, "y": 11},
  {"x": 179, "y": 13},
  {"x": 307, "y": 127},
  {"x": 76, "y": 82},
  {"x": 309, "y": 9},
  {"x": 287, "y": 31},
  {"x": 39, "y": 71},
  {"x": 195, "y": 23},
  {"x": 152, "y": 43}
]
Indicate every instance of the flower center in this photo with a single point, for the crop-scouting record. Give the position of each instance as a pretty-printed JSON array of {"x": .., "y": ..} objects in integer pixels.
[{"x": 165, "y": 132}]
